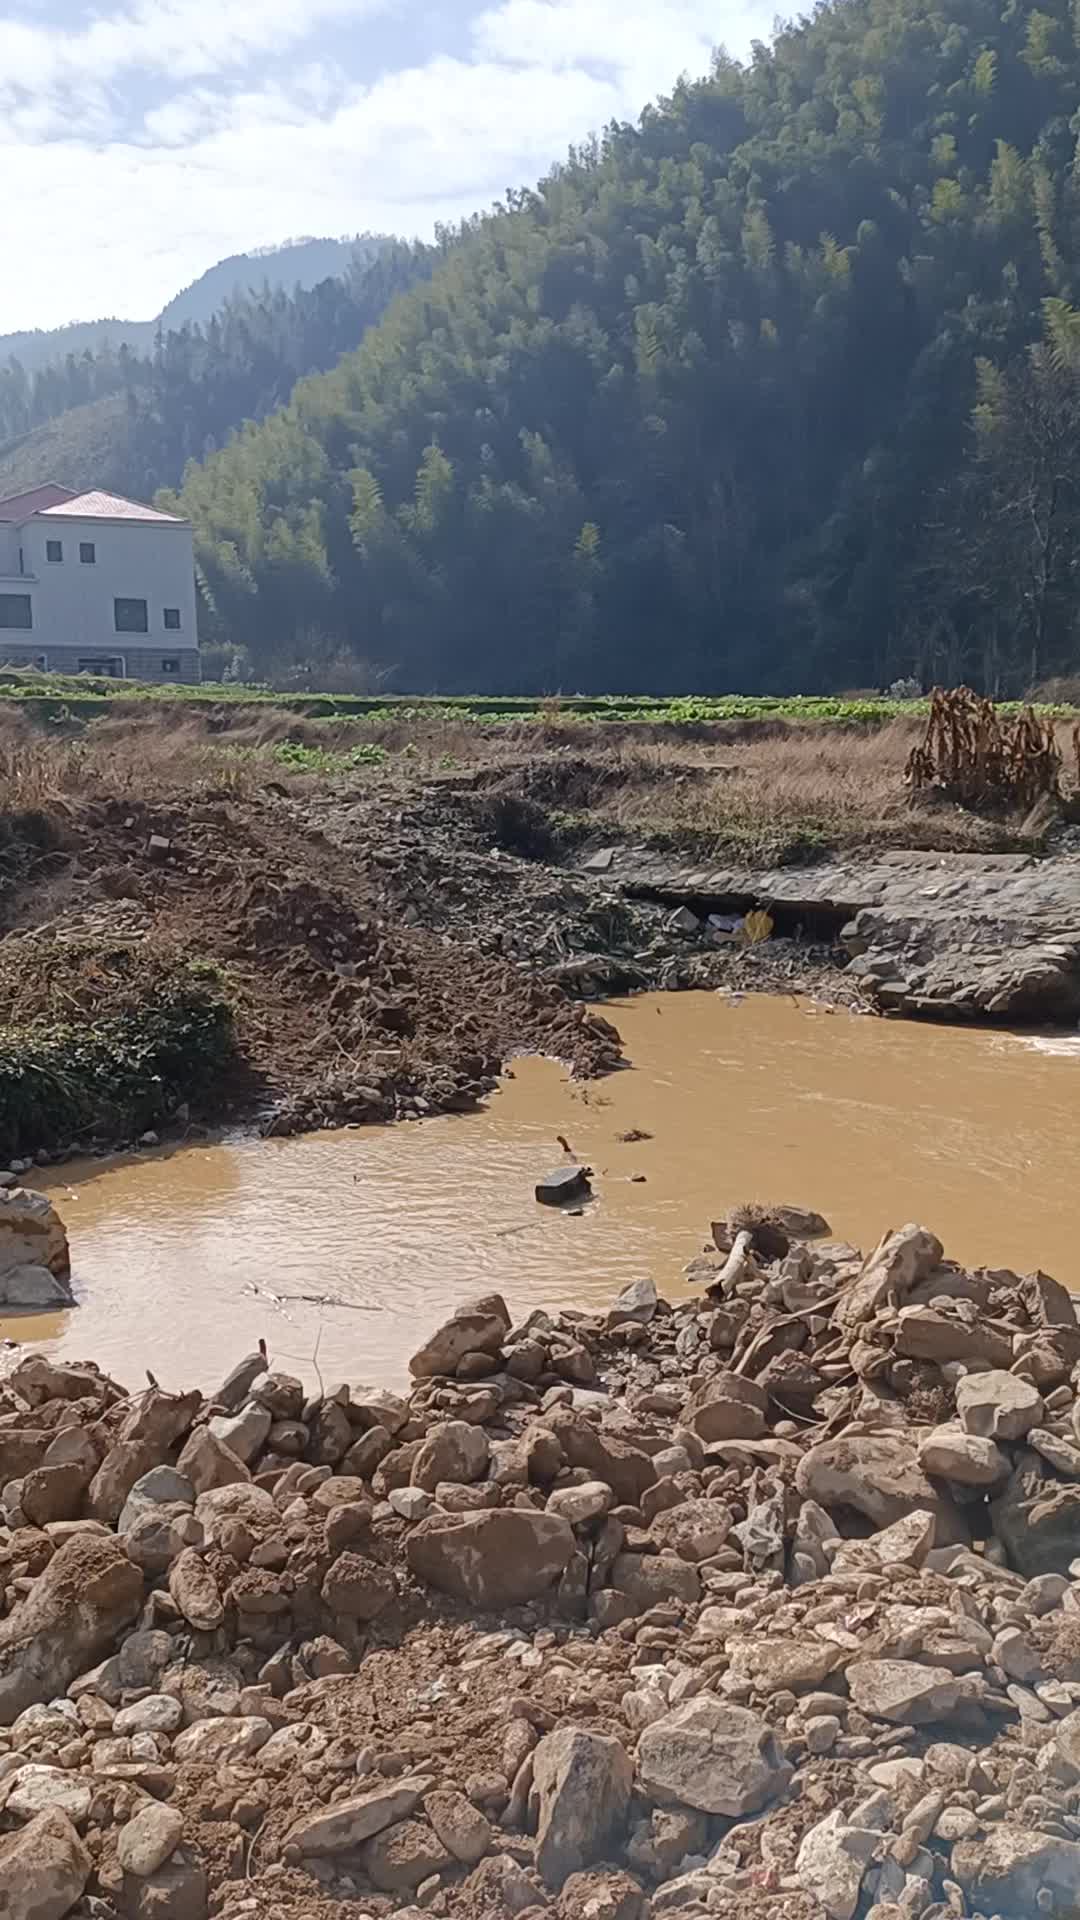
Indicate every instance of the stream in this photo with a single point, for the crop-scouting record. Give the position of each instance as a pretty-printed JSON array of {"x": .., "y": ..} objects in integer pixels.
[{"x": 185, "y": 1256}]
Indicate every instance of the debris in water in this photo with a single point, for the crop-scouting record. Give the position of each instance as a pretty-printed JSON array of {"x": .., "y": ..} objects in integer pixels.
[{"x": 566, "y": 1183}]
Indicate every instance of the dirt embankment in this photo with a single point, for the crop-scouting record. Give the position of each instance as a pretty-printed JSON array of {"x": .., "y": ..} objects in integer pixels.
[
  {"x": 760, "y": 1605},
  {"x": 382, "y": 945}
]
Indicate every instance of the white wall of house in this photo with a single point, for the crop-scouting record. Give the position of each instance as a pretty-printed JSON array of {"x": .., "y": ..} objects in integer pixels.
[{"x": 73, "y": 600}]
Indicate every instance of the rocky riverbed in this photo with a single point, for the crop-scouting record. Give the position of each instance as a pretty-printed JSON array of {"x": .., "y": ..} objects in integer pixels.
[{"x": 767, "y": 1603}]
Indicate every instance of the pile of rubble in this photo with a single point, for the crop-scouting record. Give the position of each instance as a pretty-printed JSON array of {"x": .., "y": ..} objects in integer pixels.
[{"x": 765, "y": 1603}]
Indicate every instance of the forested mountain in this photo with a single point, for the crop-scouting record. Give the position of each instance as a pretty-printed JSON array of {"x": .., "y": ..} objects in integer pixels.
[
  {"x": 296, "y": 263},
  {"x": 743, "y": 396},
  {"x": 131, "y": 421}
]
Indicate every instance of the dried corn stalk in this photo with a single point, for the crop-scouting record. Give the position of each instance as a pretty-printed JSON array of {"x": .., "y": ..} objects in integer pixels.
[{"x": 983, "y": 759}]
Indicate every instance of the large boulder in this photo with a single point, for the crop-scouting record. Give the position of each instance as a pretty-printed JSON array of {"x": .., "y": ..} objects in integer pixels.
[
  {"x": 452, "y": 1450},
  {"x": 712, "y": 1756},
  {"x": 43, "y": 1869},
  {"x": 494, "y": 1559},
  {"x": 32, "y": 1234},
  {"x": 879, "y": 1476},
  {"x": 1037, "y": 1519},
  {"x": 582, "y": 1781},
  {"x": 348, "y": 1823},
  {"x": 895, "y": 1268},
  {"x": 481, "y": 1326},
  {"x": 75, "y": 1612},
  {"x": 967, "y": 1459},
  {"x": 1006, "y": 1869},
  {"x": 997, "y": 1405},
  {"x": 33, "y": 1287},
  {"x": 902, "y": 1691},
  {"x": 727, "y": 1407},
  {"x": 626, "y": 1469}
]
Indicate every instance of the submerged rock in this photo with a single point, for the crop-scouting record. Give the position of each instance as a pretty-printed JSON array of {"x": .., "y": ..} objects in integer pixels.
[{"x": 564, "y": 1185}]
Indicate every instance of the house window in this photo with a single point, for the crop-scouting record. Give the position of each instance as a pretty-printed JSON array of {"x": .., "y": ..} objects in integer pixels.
[
  {"x": 130, "y": 616},
  {"x": 15, "y": 611},
  {"x": 87, "y": 553},
  {"x": 54, "y": 551},
  {"x": 172, "y": 619},
  {"x": 170, "y": 664}
]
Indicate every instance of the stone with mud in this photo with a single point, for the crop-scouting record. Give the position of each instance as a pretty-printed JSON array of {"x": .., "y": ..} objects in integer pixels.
[
  {"x": 997, "y": 1405},
  {"x": 463, "y": 1829},
  {"x": 44, "y": 1868},
  {"x": 196, "y": 1592},
  {"x": 879, "y": 1477},
  {"x": 54, "y": 1493},
  {"x": 713, "y": 1756},
  {"x": 727, "y": 1407},
  {"x": 160, "y": 1535},
  {"x": 32, "y": 1235},
  {"x": 253, "y": 1505},
  {"x": 162, "y": 1486},
  {"x": 244, "y": 1433},
  {"x": 965, "y": 1458},
  {"x": 1037, "y": 1519},
  {"x": 357, "y": 1588},
  {"x": 626, "y": 1469},
  {"x": 35, "y": 1789},
  {"x": 400, "y": 1858},
  {"x": 491, "y": 1560},
  {"x": 695, "y": 1529},
  {"x": 583, "y": 1504},
  {"x": 902, "y": 1691},
  {"x": 237, "y": 1384},
  {"x": 149, "y": 1838},
  {"x": 479, "y": 1327},
  {"x": 452, "y": 1450},
  {"x": 350, "y": 1822},
  {"x": 832, "y": 1861},
  {"x": 75, "y": 1612},
  {"x": 207, "y": 1462},
  {"x": 582, "y": 1781},
  {"x": 644, "y": 1580},
  {"x": 899, "y": 1262},
  {"x": 178, "y": 1890},
  {"x": 1018, "y": 1872}
]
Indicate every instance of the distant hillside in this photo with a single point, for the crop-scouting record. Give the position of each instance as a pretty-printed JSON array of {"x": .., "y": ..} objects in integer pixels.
[
  {"x": 296, "y": 263},
  {"x": 131, "y": 418}
]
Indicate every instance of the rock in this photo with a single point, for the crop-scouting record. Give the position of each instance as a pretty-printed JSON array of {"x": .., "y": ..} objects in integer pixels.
[
  {"x": 236, "y": 1385},
  {"x": 76, "y": 1610},
  {"x": 453, "y": 1450},
  {"x": 787, "y": 1665},
  {"x": 1006, "y": 1869},
  {"x": 902, "y": 1691},
  {"x": 1062, "y": 1455},
  {"x": 477, "y": 1328},
  {"x": 491, "y": 1560},
  {"x": 628, "y": 1470},
  {"x": 378, "y": 1407},
  {"x": 32, "y": 1790},
  {"x": 244, "y": 1433},
  {"x": 727, "y": 1407},
  {"x": 348, "y": 1823},
  {"x": 582, "y": 1504},
  {"x": 966, "y": 1458},
  {"x": 463, "y": 1829},
  {"x": 124, "y": 1464},
  {"x": 31, "y": 1235},
  {"x": 160, "y": 1535},
  {"x": 880, "y": 1477},
  {"x": 53, "y": 1493},
  {"x": 20, "y": 1450},
  {"x": 196, "y": 1593},
  {"x": 162, "y": 1486},
  {"x": 410, "y": 1503},
  {"x": 715, "y": 1757},
  {"x": 938, "y": 1333},
  {"x": 357, "y": 1588},
  {"x": 898, "y": 1263},
  {"x": 401, "y": 1857},
  {"x": 647, "y": 1580},
  {"x": 602, "y": 1896},
  {"x": 367, "y": 1453},
  {"x": 156, "y": 1713},
  {"x": 213, "y": 1742},
  {"x": 583, "y": 1783},
  {"x": 831, "y": 1863},
  {"x": 150, "y": 1838},
  {"x": 564, "y": 1185},
  {"x": 32, "y": 1287},
  {"x": 207, "y": 1462},
  {"x": 997, "y": 1405},
  {"x": 158, "y": 1419},
  {"x": 44, "y": 1868},
  {"x": 695, "y": 1530},
  {"x": 636, "y": 1305},
  {"x": 1066, "y": 1750},
  {"x": 221, "y": 1505},
  {"x": 281, "y": 1394},
  {"x": 1037, "y": 1519},
  {"x": 177, "y": 1891}
]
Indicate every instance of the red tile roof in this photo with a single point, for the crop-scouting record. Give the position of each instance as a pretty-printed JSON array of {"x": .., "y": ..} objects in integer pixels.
[
  {"x": 98, "y": 505},
  {"x": 20, "y": 506}
]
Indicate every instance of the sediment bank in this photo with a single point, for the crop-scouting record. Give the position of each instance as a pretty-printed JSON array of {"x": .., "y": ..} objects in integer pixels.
[{"x": 764, "y": 1603}]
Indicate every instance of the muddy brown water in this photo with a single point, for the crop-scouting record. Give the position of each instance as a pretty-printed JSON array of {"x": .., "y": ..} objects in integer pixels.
[{"x": 183, "y": 1258}]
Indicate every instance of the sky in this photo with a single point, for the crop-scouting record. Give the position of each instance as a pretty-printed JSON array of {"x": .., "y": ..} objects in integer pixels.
[{"x": 143, "y": 140}]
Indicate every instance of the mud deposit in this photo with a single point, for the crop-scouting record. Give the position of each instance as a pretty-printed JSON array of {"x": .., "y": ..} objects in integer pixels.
[{"x": 181, "y": 1257}]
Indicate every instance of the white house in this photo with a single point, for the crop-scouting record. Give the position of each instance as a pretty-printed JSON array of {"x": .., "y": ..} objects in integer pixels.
[{"x": 94, "y": 583}]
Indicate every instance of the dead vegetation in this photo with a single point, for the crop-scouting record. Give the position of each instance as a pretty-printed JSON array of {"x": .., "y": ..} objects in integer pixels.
[{"x": 977, "y": 757}]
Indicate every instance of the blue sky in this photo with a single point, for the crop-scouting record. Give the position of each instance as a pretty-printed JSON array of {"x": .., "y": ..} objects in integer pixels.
[{"x": 142, "y": 140}]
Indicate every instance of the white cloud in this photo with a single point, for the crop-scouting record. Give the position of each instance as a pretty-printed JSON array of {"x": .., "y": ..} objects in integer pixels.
[{"x": 119, "y": 225}]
